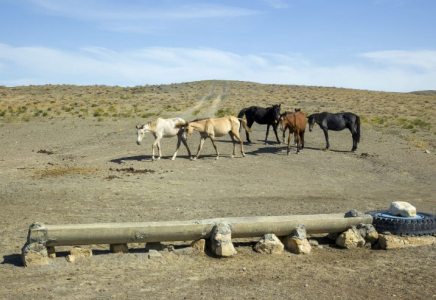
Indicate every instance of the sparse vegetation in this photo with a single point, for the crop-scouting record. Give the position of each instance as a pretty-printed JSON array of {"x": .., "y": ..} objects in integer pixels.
[
  {"x": 224, "y": 112},
  {"x": 410, "y": 112}
]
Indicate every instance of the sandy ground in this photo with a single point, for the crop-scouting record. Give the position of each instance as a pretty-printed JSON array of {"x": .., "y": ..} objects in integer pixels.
[{"x": 74, "y": 171}]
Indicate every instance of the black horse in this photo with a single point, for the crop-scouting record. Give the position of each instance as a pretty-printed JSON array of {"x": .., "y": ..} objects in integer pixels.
[
  {"x": 336, "y": 122},
  {"x": 261, "y": 115}
]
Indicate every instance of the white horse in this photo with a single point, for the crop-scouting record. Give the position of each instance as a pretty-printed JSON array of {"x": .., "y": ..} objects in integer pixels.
[{"x": 163, "y": 128}]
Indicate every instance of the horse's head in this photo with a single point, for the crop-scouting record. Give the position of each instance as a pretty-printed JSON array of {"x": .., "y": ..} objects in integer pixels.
[
  {"x": 311, "y": 122},
  {"x": 276, "y": 112},
  {"x": 140, "y": 134},
  {"x": 283, "y": 121},
  {"x": 188, "y": 130}
]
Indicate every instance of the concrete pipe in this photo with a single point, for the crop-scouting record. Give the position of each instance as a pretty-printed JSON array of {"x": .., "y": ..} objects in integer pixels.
[{"x": 123, "y": 233}]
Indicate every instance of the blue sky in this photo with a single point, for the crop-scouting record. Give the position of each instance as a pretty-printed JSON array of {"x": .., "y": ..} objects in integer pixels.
[{"x": 383, "y": 45}]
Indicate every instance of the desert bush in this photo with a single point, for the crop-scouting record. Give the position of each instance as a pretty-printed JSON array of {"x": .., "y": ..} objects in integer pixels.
[
  {"x": 224, "y": 112},
  {"x": 98, "y": 112},
  {"x": 147, "y": 115}
]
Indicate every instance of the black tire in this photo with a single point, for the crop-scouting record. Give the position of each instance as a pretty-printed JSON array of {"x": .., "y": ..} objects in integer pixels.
[{"x": 399, "y": 226}]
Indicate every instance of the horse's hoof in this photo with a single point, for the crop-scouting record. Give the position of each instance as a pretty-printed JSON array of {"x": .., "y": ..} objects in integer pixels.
[{"x": 216, "y": 158}]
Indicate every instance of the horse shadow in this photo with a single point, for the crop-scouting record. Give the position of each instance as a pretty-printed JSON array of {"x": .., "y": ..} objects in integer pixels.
[
  {"x": 130, "y": 158},
  {"x": 327, "y": 150},
  {"x": 140, "y": 158}
]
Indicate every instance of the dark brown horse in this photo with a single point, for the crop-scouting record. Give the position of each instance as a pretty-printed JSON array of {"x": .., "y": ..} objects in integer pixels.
[{"x": 296, "y": 123}]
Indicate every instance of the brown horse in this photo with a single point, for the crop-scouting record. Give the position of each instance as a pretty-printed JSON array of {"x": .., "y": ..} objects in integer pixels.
[
  {"x": 211, "y": 128},
  {"x": 296, "y": 123}
]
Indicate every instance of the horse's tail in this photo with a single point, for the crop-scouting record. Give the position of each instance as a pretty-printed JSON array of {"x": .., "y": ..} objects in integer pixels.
[
  {"x": 244, "y": 124},
  {"x": 181, "y": 124},
  {"x": 242, "y": 112},
  {"x": 357, "y": 126}
]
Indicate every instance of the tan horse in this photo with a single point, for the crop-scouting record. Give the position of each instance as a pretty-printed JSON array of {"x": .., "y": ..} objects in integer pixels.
[
  {"x": 212, "y": 128},
  {"x": 296, "y": 123}
]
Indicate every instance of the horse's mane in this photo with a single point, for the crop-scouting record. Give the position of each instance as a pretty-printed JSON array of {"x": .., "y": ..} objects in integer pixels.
[
  {"x": 197, "y": 120},
  {"x": 152, "y": 125}
]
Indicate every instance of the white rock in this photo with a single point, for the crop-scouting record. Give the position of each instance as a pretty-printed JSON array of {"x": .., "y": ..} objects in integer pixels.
[
  {"x": 269, "y": 244},
  {"x": 403, "y": 209}
]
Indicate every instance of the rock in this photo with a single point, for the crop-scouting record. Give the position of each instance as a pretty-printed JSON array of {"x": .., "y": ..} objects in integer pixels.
[
  {"x": 389, "y": 242},
  {"x": 299, "y": 232},
  {"x": 34, "y": 255},
  {"x": 51, "y": 252},
  {"x": 269, "y": 244},
  {"x": 296, "y": 245},
  {"x": 221, "y": 240},
  {"x": 350, "y": 239},
  {"x": 427, "y": 151},
  {"x": 353, "y": 213},
  {"x": 70, "y": 258},
  {"x": 199, "y": 245},
  {"x": 368, "y": 232},
  {"x": 79, "y": 252},
  {"x": 154, "y": 254},
  {"x": 372, "y": 237},
  {"x": 403, "y": 209},
  {"x": 313, "y": 243}
]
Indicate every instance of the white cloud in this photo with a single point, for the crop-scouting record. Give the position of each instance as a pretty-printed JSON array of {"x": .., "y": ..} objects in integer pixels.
[
  {"x": 160, "y": 65},
  {"x": 424, "y": 59},
  {"x": 112, "y": 10}
]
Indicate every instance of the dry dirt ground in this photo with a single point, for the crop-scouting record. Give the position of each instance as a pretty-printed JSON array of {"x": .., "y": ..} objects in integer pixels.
[{"x": 81, "y": 171}]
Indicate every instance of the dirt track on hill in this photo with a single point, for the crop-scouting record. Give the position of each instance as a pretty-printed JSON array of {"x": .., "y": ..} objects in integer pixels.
[{"x": 83, "y": 171}]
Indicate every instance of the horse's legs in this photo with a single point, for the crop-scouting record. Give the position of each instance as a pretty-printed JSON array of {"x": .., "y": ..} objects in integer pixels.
[
  {"x": 214, "y": 145},
  {"x": 284, "y": 135},
  {"x": 202, "y": 139},
  {"x": 267, "y": 131},
  {"x": 249, "y": 124},
  {"x": 234, "y": 143},
  {"x": 297, "y": 135},
  {"x": 156, "y": 143},
  {"x": 354, "y": 136},
  {"x": 158, "y": 148},
  {"x": 302, "y": 139},
  {"x": 354, "y": 142},
  {"x": 183, "y": 138},
  {"x": 274, "y": 126},
  {"x": 326, "y": 134},
  {"x": 238, "y": 137},
  {"x": 179, "y": 138},
  {"x": 289, "y": 142}
]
